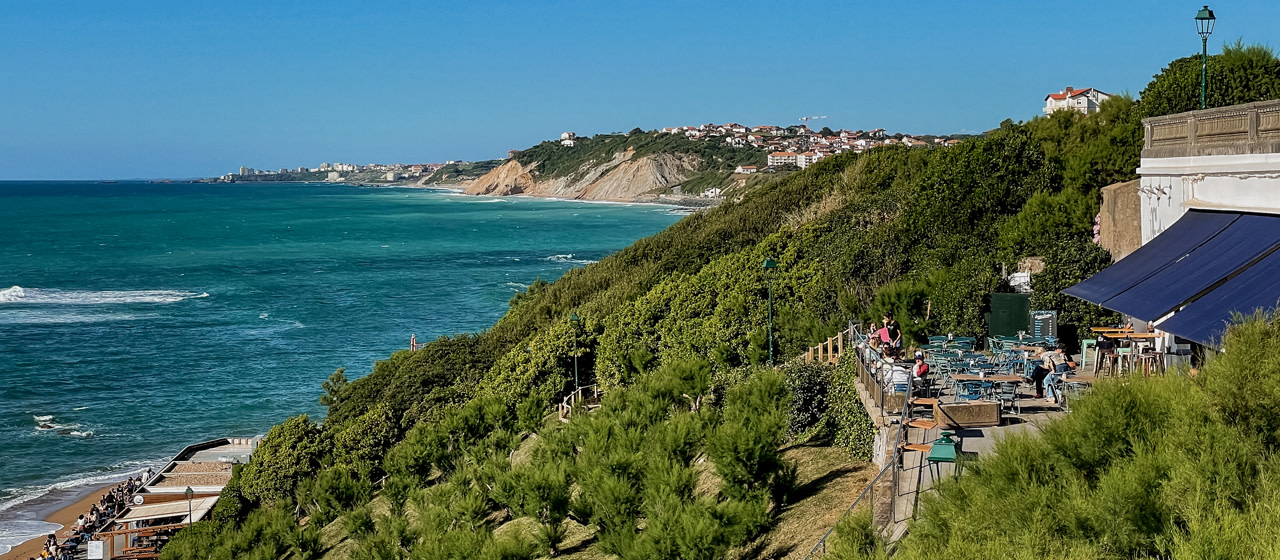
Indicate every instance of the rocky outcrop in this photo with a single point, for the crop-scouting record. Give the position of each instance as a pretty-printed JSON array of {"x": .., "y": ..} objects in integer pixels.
[
  {"x": 622, "y": 178},
  {"x": 506, "y": 179}
]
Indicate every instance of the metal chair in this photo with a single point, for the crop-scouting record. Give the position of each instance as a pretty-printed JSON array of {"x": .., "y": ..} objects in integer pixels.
[
  {"x": 1007, "y": 392},
  {"x": 970, "y": 391}
]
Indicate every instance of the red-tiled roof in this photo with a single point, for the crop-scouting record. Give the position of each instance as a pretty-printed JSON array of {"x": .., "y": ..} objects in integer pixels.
[
  {"x": 784, "y": 154},
  {"x": 1069, "y": 92}
]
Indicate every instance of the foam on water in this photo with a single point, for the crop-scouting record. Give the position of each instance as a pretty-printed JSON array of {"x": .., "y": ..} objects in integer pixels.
[
  {"x": 53, "y": 296},
  {"x": 568, "y": 259},
  {"x": 14, "y": 533},
  {"x": 24, "y": 494}
]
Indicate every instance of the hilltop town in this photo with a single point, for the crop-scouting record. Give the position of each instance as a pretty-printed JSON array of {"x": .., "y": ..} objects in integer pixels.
[{"x": 795, "y": 145}]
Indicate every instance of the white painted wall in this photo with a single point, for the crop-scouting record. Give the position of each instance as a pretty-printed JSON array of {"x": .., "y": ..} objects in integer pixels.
[{"x": 1171, "y": 186}]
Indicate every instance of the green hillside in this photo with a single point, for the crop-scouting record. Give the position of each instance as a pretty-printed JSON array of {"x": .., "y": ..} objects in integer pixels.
[
  {"x": 555, "y": 160},
  {"x": 686, "y": 457}
]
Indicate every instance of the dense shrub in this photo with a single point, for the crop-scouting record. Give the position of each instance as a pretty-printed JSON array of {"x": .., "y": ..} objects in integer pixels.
[
  {"x": 1068, "y": 262},
  {"x": 362, "y": 442},
  {"x": 851, "y": 426},
  {"x": 288, "y": 453},
  {"x": 1241, "y": 74},
  {"x": 809, "y": 385}
]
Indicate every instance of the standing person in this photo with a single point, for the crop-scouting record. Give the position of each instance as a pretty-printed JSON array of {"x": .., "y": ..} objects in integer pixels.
[
  {"x": 883, "y": 333},
  {"x": 894, "y": 331}
]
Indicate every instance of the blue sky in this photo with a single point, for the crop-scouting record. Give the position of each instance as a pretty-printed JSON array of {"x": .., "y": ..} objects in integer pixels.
[{"x": 183, "y": 89}]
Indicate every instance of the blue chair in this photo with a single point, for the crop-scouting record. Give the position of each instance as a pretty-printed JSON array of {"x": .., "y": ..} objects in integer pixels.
[
  {"x": 970, "y": 391},
  {"x": 1007, "y": 393}
]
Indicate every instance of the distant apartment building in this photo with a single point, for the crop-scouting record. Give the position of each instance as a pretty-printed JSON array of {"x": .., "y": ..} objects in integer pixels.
[
  {"x": 807, "y": 158},
  {"x": 1084, "y": 100},
  {"x": 245, "y": 170},
  {"x": 568, "y": 139},
  {"x": 783, "y": 158}
]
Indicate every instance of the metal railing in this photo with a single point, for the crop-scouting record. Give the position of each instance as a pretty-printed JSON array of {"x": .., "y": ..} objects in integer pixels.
[
  {"x": 566, "y": 405},
  {"x": 892, "y": 465}
]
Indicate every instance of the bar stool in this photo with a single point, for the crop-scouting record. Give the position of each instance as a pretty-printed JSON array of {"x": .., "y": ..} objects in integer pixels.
[
  {"x": 1085, "y": 345},
  {"x": 1151, "y": 361}
]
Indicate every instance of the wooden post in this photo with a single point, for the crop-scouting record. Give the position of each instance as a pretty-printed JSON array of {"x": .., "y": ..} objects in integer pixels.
[{"x": 840, "y": 346}]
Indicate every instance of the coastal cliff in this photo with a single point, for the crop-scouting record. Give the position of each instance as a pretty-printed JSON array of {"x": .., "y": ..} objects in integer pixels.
[{"x": 623, "y": 177}]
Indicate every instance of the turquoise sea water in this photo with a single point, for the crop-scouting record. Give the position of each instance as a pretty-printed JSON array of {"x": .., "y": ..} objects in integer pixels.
[{"x": 139, "y": 318}]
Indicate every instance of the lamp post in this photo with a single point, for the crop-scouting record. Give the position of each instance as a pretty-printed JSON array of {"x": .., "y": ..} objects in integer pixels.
[
  {"x": 769, "y": 266},
  {"x": 190, "y": 493},
  {"x": 575, "y": 321},
  {"x": 1204, "y": 26}
]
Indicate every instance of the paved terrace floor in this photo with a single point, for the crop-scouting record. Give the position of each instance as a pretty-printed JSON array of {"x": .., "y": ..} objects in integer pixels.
[{"x": 915, "y": 475}]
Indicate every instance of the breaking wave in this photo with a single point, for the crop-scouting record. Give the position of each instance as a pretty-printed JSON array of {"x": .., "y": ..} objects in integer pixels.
[
  {"x": 50, "y": 296},
  {"x": 568, "y": 259}
]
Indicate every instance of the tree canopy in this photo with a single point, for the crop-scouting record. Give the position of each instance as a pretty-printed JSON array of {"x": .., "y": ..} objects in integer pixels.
[{"x": 1240, "y": 74}]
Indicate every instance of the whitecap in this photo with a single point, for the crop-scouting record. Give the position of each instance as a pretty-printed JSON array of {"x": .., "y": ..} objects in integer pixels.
[
  {"x": 49, "y": 426},
  {"x": 34, "y": 317},
  {"x": 80, "y": 408},
  {"x": 44, "y": 418},
  {"x": 18, "y": 531},
  {"x": 54, "y": 296},
  {"x": 568, "y": 259},
  {"x": 12, "y": 294},
  {"x": 118, "y": 472}
]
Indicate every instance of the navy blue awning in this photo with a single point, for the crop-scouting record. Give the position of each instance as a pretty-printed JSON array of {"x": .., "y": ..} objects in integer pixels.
[
  {"x": 1190, "y": 231},
  {"x": 1240, "y": 244},
  {"x": 1205, "y": 319}
]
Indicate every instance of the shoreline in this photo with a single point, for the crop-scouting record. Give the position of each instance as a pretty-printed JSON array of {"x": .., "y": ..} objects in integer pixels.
[{"x": 59, "y": 507}]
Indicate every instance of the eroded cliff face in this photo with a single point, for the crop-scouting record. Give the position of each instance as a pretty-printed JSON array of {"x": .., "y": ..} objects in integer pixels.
[{"x": 622, "y": 178}]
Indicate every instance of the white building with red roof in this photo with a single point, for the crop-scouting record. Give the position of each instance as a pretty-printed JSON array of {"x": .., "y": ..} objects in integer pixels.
[
  {"x": 1084, "y": 100},
  {"x": 783, "y": 158}
]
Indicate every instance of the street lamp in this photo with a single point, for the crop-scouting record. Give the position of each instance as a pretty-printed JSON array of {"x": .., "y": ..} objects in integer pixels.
[
  {"x": 575, "y": 321},
  {"x": 769, "y": 267},
  {"x": 1204, "y": 26},
  {"x": 190, "y": 493}
]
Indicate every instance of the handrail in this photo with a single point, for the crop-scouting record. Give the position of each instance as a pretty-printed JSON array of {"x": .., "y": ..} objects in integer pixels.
[
  {"x": 891, "y": 464},
  {"x": 828, "y": 352},
  {"x": 566, "y": 405}
]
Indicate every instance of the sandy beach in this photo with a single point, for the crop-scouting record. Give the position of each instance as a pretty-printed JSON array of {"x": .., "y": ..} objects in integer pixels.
[{"x": 79, "y": 501}]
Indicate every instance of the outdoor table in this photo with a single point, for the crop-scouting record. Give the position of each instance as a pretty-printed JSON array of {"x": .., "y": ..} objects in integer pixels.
[
  {"x": 1110, "y": 330},
  {"x": 991, "y": 378}
]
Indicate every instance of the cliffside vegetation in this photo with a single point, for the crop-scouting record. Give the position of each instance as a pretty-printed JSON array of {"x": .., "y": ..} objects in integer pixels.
[
  {"x": 916, "y": 231},
  {"x": 555, "y": 160},
  {"x": 682, "y": 460},
  {"x": 462, "y": 171}
]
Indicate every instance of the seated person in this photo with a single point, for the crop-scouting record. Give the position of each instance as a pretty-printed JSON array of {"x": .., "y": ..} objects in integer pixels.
[
  {"x": 1054, "y": 365},
  {"x": 897, "y": 375},
  {"x": 920, "y": 371}
]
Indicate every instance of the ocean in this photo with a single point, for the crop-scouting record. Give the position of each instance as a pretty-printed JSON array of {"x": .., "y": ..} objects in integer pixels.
[{"x": 138, "y": 318}]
